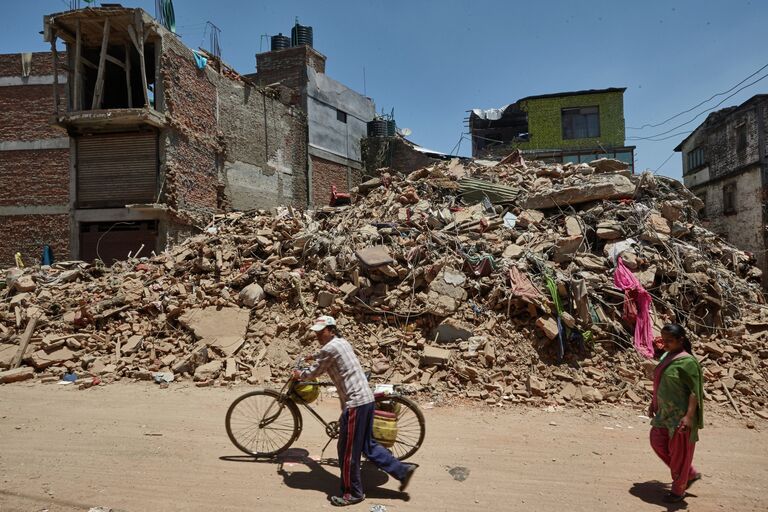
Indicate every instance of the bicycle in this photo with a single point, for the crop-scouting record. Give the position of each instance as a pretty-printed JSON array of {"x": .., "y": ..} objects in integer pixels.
[{"x": 266, "y": 422}]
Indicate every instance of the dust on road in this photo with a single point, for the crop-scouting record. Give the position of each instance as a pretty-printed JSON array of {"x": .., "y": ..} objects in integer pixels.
[{"x": 134, "y": 447}]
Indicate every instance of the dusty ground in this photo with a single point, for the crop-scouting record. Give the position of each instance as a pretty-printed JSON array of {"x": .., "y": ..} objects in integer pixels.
[{"x": 135, "y": 447}]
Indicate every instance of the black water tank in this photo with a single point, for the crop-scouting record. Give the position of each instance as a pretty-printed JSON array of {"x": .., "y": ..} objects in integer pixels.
[
  {"x": 381, "y": 128},
  {"x": 301, "y": 35},
  {"x": 280, "y": 42}
]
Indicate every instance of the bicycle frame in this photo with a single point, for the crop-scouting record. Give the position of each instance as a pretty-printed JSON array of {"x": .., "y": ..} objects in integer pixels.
[{"x": 289, "y": 395}]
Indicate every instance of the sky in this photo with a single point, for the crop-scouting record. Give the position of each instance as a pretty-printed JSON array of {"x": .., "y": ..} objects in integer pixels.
[{"x": 433, "y": 60}]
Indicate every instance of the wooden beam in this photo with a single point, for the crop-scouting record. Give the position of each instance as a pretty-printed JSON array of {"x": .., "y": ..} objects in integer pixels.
[
  {"x": 88, "y": 63},
  {"x": 98, "y": 93},
  {"x": 134, "y": 37},
  {"x": 140, "y": 48},
  {"x": 115, "y": 61},
  {"x": 31, "y": 324},
  {"x": 127, "y": 68},
  {"x": 55, "y": 73},
  {"x": 78, "y": 100}
]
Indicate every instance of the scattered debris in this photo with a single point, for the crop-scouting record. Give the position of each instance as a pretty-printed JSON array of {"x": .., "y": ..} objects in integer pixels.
[{"x": 496, "y": 286}]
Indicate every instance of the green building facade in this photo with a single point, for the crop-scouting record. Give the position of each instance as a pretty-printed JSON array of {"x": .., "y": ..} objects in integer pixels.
[{"x": 578, "y": 126}]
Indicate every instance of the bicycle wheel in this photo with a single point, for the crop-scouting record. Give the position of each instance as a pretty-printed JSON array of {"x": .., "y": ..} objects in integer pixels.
[
  {"x": 263, "y": 423},
  {"x": 410, "y": 424}
]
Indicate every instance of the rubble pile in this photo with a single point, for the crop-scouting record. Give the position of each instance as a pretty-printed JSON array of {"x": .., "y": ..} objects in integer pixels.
[{"x": 492, "y": 282}]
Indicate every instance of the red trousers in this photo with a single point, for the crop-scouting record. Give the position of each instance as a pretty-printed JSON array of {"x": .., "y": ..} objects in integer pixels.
[{"x": 677, "y": 452}]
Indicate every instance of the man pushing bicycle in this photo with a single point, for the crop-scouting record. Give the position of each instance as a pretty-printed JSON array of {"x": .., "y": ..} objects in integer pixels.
[{"x": 337, "y": 358}]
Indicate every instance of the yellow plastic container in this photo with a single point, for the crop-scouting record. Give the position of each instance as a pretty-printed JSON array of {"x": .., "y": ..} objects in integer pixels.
[
  {"x": 307, "y": 392},
  {"x": 385, "y": 428}
]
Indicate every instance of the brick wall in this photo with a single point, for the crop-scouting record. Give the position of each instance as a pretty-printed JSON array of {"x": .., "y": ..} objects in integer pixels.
[
  {"x": 265, "y": 148},
  {"x": 28, "y": 234},
  {"x": 191, "y": 143},
  {"x": 391, "y": 152},
  {"x": 288, "y": 66},
  {"x": 42, "y": 63},
  {"x": 26, "y": 113},
  {"x": 31, "y": 179},
  {"x": 220, "y": 125},
  {"x": 325, "y": 174},
  {"x": 34, "y": 178}
]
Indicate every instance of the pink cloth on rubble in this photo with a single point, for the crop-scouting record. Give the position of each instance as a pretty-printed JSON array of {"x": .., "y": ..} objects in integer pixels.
[{"x": 625, "y": 280}]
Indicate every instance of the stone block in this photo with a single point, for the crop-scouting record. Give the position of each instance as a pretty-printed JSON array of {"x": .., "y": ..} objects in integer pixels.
[
  {"x": 548, "y": 326},
  {"x": 435, "y": 356},
  {"x": 16, "y": 375}
]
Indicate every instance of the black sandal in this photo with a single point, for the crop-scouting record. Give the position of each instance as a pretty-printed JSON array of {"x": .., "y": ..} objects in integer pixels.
[
  {"x": 347, "y": 499},
  {"x": 671, "y": 497}
]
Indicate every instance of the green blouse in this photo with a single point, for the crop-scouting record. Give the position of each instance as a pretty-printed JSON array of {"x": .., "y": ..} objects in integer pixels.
[{"x": 681, "y": 379}]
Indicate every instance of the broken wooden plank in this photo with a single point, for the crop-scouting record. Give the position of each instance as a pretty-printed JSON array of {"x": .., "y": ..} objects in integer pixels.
[
  {"x": 78, "y": 101},
  {"x": 98, "y": 93},
  {"x": 128, "y": 74},
  {"x": 730, "y": 397},
  {"x": 137, "y": 36},
  {"x": 31, "y": 324}
]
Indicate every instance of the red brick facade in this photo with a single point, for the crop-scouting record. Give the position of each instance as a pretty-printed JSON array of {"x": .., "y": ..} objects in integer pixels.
[
  {"x": 34, "y": 178},
  {"x": 31, "y": 180},
  {"x": 42, "y": 64},
  {"x": 288, "y": 66},
  {"x": 28, "y": 234},
  {"x": 192, "y": 145},
  {"x": 325, "y": 174}
]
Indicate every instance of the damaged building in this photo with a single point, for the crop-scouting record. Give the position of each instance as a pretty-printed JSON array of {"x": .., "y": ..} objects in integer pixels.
[
  {"x": 149, "y": 139},
  {"x": 725, "y": 163},
  {"x": 578, "y": 126},
  {"x": 337, "y": 116}
]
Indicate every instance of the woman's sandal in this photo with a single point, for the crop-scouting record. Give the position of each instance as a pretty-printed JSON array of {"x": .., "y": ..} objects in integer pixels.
[
  {"x": 671, "y": 497},
  {"x": 343, "y": 501}
]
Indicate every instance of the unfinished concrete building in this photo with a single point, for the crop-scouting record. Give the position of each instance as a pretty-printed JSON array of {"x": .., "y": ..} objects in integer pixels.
[
  {"x": 337, "y": 116},
  {"x": 150, "y": 140}
]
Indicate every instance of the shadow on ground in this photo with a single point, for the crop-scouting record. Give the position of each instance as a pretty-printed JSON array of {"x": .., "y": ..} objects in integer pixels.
[
  {"x": 653, "y": 492},
  {"x": 320, "y": 479}
]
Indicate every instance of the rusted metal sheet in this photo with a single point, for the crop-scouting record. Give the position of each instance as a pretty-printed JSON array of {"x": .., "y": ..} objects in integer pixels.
[{"x": 116, "y": 169}]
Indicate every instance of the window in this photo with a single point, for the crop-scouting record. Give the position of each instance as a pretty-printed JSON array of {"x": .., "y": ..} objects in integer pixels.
[
  {"x": 581, "y": 123},
  {"x": 341, "y": 116},
  {"x": 741, "y": 138},
  {"x": 695, "y": 158},
  {"x": 729, "y": 198}
]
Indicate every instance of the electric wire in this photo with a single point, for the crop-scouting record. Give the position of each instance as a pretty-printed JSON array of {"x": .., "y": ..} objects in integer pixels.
[
  {"x": 650, "y": 137},
  {"x": 656, "y": 125}
]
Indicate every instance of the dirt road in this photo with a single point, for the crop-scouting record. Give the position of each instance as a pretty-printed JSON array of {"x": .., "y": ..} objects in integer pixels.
[{"x": 135, "y": 447}]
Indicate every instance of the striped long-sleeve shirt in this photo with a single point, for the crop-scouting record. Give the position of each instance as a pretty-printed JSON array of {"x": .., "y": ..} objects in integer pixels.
[{"x": 338, "y": 359}]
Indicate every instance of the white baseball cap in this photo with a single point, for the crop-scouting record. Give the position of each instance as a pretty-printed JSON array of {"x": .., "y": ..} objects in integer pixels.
[{"x": 322, "y": 322}]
